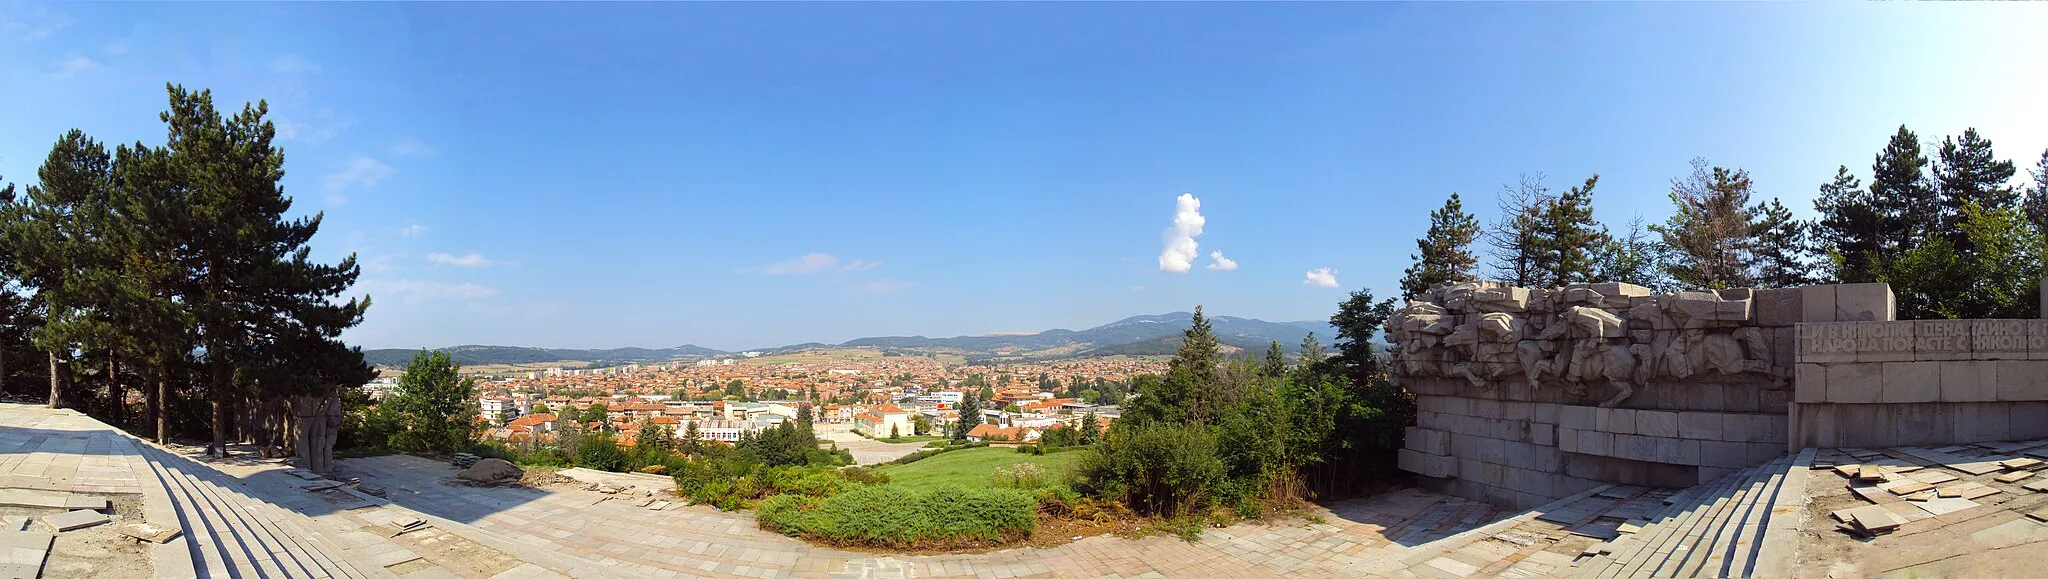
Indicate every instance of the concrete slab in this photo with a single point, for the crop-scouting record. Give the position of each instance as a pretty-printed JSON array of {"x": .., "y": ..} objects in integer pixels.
[{"x": 1939, "y": 507}]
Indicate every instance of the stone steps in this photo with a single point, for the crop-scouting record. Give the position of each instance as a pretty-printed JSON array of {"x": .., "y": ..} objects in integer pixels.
[
  {"x": 1713, "y": 530},
  {"x": 232, "y": 534}
]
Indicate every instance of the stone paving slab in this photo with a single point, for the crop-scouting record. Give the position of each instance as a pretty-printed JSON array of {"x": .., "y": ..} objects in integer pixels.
[{"x": 75, "y": 520}]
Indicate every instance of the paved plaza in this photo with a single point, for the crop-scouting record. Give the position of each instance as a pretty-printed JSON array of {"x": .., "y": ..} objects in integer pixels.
[{"x": 252, "y": 517}]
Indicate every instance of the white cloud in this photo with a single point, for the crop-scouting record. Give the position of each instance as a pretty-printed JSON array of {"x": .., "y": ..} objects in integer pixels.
[
  {"x": 1137, "y": 288},
  {"x": 412, "y": 230},
  {"x": 859, "y": 265},
  {"x": 472, "y": 259},
  {"x": 1220, "y": 263},
  {"x": 322, "y": 125},
  {"x": 31, "y": 25},
  {"x": 414, "y": 291},
  {"x": 810, "y": 263},
  {"x": 117, "y": 48},
  {"x": 1321, "y": 277},
  {"x": 411, "y": 147},
  {"x": 69, "y": 67},
  {"x": 361, "y": 170},
  {"x": 1180, "y": 253},
  {"x": 881, "y": 286},
  {"x": 292, "y": 64}
]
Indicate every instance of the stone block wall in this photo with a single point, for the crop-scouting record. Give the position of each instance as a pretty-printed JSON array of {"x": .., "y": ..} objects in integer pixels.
[
  {"x": 1528, "y": 395},
  {"x": 1920, "y": 382}
]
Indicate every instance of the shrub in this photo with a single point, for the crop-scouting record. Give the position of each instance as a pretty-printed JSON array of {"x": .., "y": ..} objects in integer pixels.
[
  {"x": 866, "y": 476},
  {"x": 895, "y": 517},
  {"x": 655, "y": 469},
  {"x": 1157, "y": 468}
]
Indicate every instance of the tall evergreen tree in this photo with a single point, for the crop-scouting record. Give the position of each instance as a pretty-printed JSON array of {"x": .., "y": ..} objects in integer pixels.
[
  {"x": 1515, "y": 239},
  {"x": 1445, "y": 252},
  {"x": 970, "y": 415},
  {"x": 1185, "y": 395},
  {"x": 1905, "y": 202},
  {"x": 2036, "y": 204},
  {"x": 1780, "y": 251},
  {"x": 1630, "y": 258},
  {"x": 1968, "y": 172},
  {"x": 1275, "y": 365},
  {"x": 1708, "y": 237},
  {"x": 257, "y": 298},
  {"x": 1850, "y": 230},
  {"x": 55, "y": 235},
  {"x": 1568, "y": 236}
]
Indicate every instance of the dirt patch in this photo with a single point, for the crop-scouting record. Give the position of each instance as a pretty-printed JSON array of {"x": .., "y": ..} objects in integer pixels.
[
  {"x": 543, "y": 478},
  {"x": 98, "y": 552}
]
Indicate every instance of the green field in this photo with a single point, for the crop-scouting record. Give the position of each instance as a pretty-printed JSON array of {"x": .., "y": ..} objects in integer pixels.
[{"x": 973, "y": 467}]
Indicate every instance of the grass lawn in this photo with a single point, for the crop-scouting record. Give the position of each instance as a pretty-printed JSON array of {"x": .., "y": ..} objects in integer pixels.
[{"x": 973, "y": 467}]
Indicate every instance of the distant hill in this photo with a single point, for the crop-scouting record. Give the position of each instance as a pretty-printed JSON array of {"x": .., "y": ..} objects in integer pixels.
[
  {"x": 1133, "y": 336},
  {"x": 472, "y": 355}
]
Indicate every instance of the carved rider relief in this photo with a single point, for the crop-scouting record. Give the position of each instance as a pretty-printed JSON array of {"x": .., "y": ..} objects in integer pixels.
[{"x": 1615, "y": 335}]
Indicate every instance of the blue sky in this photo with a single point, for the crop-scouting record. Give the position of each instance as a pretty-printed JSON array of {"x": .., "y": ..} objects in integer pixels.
[{"x": 750, "y": 175}]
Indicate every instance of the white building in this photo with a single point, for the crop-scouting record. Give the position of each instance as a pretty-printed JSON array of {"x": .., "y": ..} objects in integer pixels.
[{"x": 498, "y": 410}]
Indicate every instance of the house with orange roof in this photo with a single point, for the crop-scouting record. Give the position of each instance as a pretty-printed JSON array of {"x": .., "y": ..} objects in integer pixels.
[{"x": 882, "y": 419}]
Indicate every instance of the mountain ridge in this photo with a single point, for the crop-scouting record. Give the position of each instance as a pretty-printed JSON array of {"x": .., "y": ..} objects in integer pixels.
[{"x": 1149, "y": 334}]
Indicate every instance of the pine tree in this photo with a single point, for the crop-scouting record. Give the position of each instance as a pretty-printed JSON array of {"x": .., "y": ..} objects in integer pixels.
[
  {"x": 54, "y": 235},
  {"x": 1904, "y": 200},
  {"x": 1850, "y": 230},
  {"x": 1968, "y": 172},
  {"x": 1445, "y": 252},
  {"x": 1631, "y": 258},
  {"x": 257, "y": 298},
  {"x": 1515, "y": 240},
  {"x": 1779, "y": 248},
  {"x": 2036, "y": 204},
  {"x": 1568, "y": 236},
  {"x": 970, "y": 415},
  {"x": 1275, "y": 365},
  {"x": 1708, "y": 237}
]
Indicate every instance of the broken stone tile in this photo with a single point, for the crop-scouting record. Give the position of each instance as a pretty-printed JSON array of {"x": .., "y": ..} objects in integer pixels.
[
  {"x": 1967, "y": 490},
  {"x": 1875, "y": 495},
  {"x": 14, "y": 523},
  {"x": 1904, "y": 487},
  {"x": 406, "y": 522},
  {"x": 2039, "y": 486},
  {"x": 1938, "y": 507},
  {"x": 2013, "y": 477},
  {"x": 2040, "y": 514},
  {"x": 1933, "y": 477},
  {"x": 1912, "y": 512},
  {"x": 1925, "y": 495},
  {"x": 2018, "y": 463},
  {"x": 1848, "y": 470},
  {"x": 1603, "y": 530},
  {"x": 1633, "y": 526},
  {"x": 658, "y": 505},
  {"x": 1870, "y": 472},
  {"x": 149, "y": 532},
  {"x": 78, "y": 519},
  {"x": 51, "y": 500},
  {"x": 1875, "y": 518}
]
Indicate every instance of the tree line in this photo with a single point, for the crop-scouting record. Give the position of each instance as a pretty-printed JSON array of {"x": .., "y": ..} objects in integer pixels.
[
  {"x": 174, "y": 269},
  {"x": 1954, "y": 234}
]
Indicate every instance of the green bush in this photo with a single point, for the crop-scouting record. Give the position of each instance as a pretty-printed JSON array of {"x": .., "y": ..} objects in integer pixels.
[
  {"x": 863, "y": 475},
  {"x": 895, "y": 517},
  {"x": 1163, "y": 469}
]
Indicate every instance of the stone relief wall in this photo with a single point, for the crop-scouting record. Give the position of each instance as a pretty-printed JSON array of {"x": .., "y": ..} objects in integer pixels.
[
  {"x": 1526, "y": 395},
  {"x": 1614, "y": 337}
]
